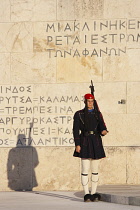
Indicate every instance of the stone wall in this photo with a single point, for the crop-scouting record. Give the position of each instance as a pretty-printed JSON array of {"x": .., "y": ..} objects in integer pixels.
[{"x": 49, "y": 52}]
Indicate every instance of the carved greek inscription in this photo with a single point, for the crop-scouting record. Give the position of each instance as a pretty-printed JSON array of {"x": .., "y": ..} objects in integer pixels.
[
  {"x": 42, "y": 120},
  {"x": 105, "y": 37}
]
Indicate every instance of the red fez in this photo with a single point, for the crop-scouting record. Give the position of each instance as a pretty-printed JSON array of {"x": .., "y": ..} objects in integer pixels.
[{"x": 89, "y": 96}]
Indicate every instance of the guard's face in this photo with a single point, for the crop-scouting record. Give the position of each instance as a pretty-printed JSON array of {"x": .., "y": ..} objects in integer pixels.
[{"x": 90, "y": 103}]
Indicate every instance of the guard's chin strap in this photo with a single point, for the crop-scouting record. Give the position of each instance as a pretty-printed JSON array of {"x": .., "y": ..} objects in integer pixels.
[{"x": 86, "y": 118}]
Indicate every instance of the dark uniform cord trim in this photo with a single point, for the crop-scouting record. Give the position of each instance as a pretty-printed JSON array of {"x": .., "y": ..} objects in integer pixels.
[{"x": 95, "y": 173}]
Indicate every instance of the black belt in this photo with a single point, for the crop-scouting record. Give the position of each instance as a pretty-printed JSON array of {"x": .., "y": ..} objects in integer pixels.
[{"x": 87, "y": 133}]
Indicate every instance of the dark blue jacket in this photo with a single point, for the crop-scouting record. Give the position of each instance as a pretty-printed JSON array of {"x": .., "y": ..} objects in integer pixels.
[{"x": 91, "y": 145}]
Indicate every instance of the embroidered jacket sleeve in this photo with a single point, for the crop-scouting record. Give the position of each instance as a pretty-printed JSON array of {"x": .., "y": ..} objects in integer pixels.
[
  {"x": 76, "y": 129},
  {"x": 102, "y": 124}
]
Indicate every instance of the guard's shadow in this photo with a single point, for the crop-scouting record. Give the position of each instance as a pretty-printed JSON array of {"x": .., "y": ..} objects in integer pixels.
[
  {"x": 79, "y": 194},
  {"x": 21, "y": 164},
  {"x": 61, "y": 196}
]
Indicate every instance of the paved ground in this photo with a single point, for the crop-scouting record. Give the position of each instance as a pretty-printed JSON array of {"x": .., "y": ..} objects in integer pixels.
[
  {"x": 57, "y": 200},
  {"x": 122, "y": 194}
]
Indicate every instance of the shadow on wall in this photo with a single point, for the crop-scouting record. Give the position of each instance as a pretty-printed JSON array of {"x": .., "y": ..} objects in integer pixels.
[{"x": 21, "y": 164}]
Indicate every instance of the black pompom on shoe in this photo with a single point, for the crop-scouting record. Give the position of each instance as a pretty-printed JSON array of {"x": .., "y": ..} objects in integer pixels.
[
  {"x": 95, "y": 197},
  {"x": 87, "y": 198}
]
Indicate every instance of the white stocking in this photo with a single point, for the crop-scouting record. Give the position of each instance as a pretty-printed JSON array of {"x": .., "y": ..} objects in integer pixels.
[
  {"x": 94, "y": 175},
  {"x": 84, "y": 175}
]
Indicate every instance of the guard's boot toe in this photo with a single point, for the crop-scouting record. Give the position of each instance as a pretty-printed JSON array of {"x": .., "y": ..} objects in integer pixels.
[
  {"x": 95, "y": 197},
  {"x": 87, "y": 198}
]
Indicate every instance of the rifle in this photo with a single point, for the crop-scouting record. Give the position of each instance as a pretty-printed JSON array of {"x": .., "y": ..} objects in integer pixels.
[
  {"x": 96, "y": 107},
  {"x": 95, "y": 102},
  {"x": 92, "y": 88}
]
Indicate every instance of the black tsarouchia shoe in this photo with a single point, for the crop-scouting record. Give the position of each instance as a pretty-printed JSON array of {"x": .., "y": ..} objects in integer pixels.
[
  {"x": 95, "y": 197},
  {"x": 87, "y": 198}
]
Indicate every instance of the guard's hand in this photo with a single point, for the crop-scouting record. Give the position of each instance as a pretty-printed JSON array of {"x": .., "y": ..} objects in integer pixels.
[
  {"x": 78, "y": 149},
  {"x": 104, "y": 132}
]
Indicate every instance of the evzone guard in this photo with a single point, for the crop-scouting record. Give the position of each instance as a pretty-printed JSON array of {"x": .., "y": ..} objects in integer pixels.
[{"x": 88, "y": 127}]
